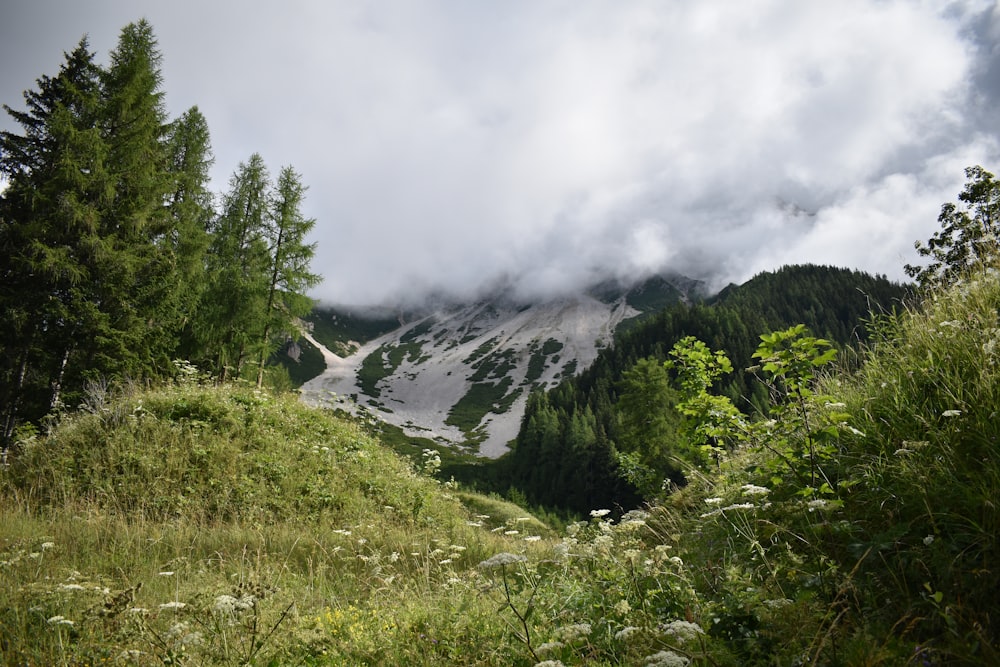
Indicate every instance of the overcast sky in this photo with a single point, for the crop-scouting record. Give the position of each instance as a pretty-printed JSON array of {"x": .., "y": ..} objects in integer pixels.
[{"x": 449, "y": 144}]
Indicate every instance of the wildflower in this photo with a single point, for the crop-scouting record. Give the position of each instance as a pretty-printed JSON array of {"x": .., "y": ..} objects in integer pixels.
[
  {"x": 951, "y": 413},
  {"x": 501, "y": 559},
  {"x": 682, "y": 630},
  {"x": 626, "y": 632},
  {"x": 929, "y": 540},
  {"x": 446, "y": 561},
  {"x": 511, "y": 532},
  {"x": 548, "y": 647},
  {"x": 739, "y": 506},
  {"x": 713, "y": 501},
  {"x": 754, "y": 490},
  {"x": 572, "y": 632},
  {"x": 623, "y": 607},
  {"x": 59, "y": 620},
  {"x": 599, "y": 513},
  {"x": 166, "y": 574},
  {"x": 71, "y": 587},
  {"x": 48, "y": 545},
  {"x": 532, "y": 538},
  {"x": 665, "y": 659},
  {"x": 173, "y": 605},
  {"x": 550, "y": 663},
  {"x": 817, "y": 504}
]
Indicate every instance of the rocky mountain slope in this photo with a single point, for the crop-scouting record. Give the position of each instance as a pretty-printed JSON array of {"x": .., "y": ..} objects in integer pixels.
[{"x": 461, "y": 373}]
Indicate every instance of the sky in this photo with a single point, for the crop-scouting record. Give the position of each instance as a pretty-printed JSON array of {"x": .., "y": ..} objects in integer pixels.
[{"x": 455, "y": 145}]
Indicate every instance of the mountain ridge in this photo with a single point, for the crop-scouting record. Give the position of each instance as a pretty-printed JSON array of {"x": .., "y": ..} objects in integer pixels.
[{"x": 461, "y": 373}]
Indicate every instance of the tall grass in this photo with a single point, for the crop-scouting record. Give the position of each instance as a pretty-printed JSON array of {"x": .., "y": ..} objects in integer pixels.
[{"x": 197, "y": 525}]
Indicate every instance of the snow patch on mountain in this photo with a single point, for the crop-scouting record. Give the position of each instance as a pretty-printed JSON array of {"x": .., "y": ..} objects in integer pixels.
[{"x": 463, "y": 373}]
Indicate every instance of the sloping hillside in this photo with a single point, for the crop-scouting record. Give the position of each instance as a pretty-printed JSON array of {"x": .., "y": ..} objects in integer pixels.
[
  {"x": 463, "y": 375},
  {"x": 460, "y": 373}
]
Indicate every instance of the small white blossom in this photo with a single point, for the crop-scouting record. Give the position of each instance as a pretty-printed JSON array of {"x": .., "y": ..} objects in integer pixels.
[
  {"x": 501, "y": 559},
  {"x": 626, "y": 632},
  {"x": 532, "y": 538},
  {"x": 665, "y": 659},
  {"x": 548, "y": 647},
  {"x": 682, "y": 630},
  {"x": 929, "y": 540},
  {"x": 173, "y": 605},
  {"x": 754, "y": 490},
  {"x": 59, "y": 620},
  {"x": 817, "y": 504},
  {"x": 713, "y": 501},
  {"x": 951, "y": 413},
  {"x": 739, "y": 506},
  {"x": 48, "y": 545},
  {"x": 71, "y": 587},
  {"x": 599, "y": 513},
  {"x": 570, "y": 633}
]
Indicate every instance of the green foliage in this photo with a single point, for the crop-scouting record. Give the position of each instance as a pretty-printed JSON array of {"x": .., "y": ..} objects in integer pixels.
[
  {"x": 115, "y": 261},
  {"x": 832, "y": 302},
  {"x": 968, "y": 236}
]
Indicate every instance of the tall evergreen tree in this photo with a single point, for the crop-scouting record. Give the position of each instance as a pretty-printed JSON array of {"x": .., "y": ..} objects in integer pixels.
[
  {"x": 234, "y": 305},
  {"x": 290, "y": 258},
  {"x": 50, "y": 242},
  {"x": 138, "y": 284},
  {"x": 191, "y": 209}
]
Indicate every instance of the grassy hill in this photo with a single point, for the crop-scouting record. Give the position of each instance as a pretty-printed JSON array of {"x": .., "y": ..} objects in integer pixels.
[{"x": 858, "y": 525}]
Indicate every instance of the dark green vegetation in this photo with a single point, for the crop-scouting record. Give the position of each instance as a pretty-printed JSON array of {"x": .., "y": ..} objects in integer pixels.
[
  {"x": 568, "y": 453},
  {"x": 855, "y": 524},
  {"x": 114, "y": 261},
  {"x": 341, "y": 331}
]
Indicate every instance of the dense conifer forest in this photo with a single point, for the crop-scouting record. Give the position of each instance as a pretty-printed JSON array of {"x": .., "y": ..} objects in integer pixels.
[{"x": 568, "y": 454}]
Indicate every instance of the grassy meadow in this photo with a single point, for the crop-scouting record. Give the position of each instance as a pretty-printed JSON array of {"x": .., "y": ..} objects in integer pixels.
[{"x": 854, "y": 524}]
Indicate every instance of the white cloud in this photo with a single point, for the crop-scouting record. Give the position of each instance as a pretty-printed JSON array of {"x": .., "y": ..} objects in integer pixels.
[{"x": 449, "y": 144}]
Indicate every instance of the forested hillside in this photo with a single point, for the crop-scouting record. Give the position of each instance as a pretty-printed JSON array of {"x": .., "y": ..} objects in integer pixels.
[
  {"x": 116, "y": 259},
  {"x": 568, "y": 451}
]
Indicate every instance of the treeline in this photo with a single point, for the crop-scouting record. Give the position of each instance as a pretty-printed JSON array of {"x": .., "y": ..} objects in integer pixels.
[
  {"x": 115, "y": 258},
  {"x": 610, "y": 436}
]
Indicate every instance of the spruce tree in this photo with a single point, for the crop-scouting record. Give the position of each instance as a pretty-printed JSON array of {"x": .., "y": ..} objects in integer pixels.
[{"x": 50, "y": 240}]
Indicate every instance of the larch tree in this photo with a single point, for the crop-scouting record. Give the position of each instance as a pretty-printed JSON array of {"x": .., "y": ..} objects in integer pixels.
[
  {"x": 138, "y": 285},
  {"x": 233, "y": 306},
  {"x": 191, "y": 209},
  {"x": 290, "y": 257}
]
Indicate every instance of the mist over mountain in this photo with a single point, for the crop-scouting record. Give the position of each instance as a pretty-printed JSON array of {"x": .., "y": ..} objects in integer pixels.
[{"x": 460, "y": 372}]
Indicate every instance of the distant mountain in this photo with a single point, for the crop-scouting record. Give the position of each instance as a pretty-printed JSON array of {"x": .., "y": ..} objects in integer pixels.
[{"x": 460, "y": 373}]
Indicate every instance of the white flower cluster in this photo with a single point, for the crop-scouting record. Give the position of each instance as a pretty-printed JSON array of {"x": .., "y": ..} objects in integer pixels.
[
  {"x": 665, "y": 659},
  {"x": 228, "y": 604},
  {"x": 682, "y": 630},
  {"x": 501, "y": 559},
  {"x": 570, "y": 633}
]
